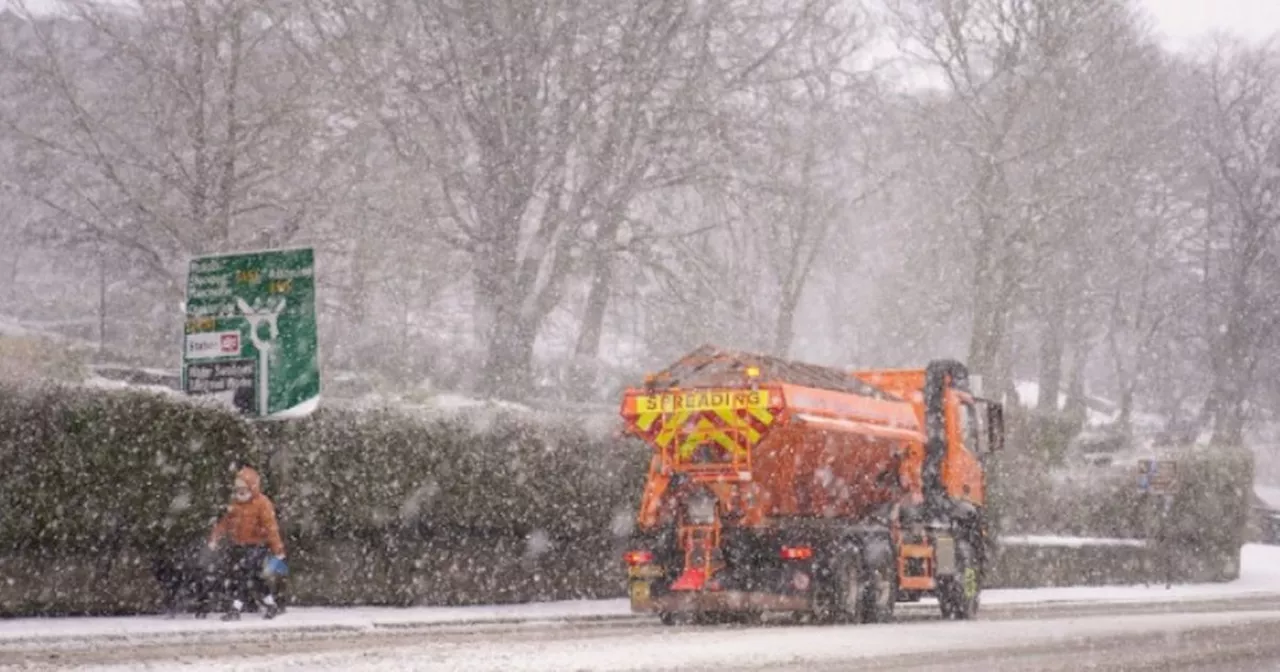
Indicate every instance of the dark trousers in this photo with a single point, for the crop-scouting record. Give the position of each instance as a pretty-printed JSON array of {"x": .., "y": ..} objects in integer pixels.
[{"x": 242, "y": 574}]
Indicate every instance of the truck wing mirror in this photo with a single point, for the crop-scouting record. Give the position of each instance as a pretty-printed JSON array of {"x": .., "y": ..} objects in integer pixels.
[{"x": 995, "y": 427}]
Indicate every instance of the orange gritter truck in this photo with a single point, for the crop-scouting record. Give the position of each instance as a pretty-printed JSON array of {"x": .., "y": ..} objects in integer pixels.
[{"x": 781, "y": 487}]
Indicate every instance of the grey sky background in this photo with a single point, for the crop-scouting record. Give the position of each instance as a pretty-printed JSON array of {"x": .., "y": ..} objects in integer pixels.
[
  {"x": 1180, "y": 22},
  {"x": 1183, "y": 21}
]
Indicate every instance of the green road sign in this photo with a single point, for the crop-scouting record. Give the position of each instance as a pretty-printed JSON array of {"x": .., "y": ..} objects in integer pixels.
[{"x": 251, "y": 332}]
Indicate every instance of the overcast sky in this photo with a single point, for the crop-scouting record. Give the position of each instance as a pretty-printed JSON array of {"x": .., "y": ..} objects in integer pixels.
[{"x": 1181, "y": 21}]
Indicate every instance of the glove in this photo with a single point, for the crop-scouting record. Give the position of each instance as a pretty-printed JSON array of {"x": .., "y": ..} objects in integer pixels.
[{"x": 275, "y": 566}]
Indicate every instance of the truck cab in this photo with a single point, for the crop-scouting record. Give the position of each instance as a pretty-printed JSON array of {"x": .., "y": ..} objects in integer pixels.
[{"x": 962, "y": 428}]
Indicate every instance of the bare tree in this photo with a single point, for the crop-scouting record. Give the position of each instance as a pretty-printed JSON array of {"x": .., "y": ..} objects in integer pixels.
[
  {"x": 1103, "y": 195},
  {"x": 1142, "y": 301},
  {"x": 174, "y": 128},
  {"x": 1004, "y": 64},
  {"x": 539, "y": 124},
  {"x": 1236, "y": 90},
  {"x": 811, "y": 185},
  {"x": 1140, "y": 256}
]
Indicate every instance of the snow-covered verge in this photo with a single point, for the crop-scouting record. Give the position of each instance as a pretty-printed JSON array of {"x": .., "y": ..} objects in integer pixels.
[
  {"x": 1268, "y": 495},
  {"x": 991, "y": 646},
  {"x": 104, "y": 383},
  {"x": 86, "y": 629},
  {"x": 1259, "y": 577},
  {"x": 1068, "y": 542}
]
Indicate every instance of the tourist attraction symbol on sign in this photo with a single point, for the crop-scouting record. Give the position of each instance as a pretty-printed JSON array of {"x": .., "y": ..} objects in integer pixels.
[{"x": 250, "y": 335}]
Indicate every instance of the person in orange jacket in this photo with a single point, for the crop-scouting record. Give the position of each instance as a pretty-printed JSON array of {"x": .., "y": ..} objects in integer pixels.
[{"x": 255, "y": 544}]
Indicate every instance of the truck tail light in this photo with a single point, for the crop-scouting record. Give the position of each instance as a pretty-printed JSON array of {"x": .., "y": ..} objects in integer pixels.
[
  {"x": 796, "y": 552},
  {"x": 635, "y": 558}
]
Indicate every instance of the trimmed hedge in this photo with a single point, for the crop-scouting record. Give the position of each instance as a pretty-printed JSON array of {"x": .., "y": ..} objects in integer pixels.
[
  {"x": 1039, "y": 566},
  {"x": 483, "y": 505},
  {"x": 503, "y": 472},
  {"x": 378, "y": 507},
  {"x": 93, "y": 484},
  {"x": 1198, "y": 538},
  {"x": 409, "y": 510},
  {"x": 88, "y": 472}
]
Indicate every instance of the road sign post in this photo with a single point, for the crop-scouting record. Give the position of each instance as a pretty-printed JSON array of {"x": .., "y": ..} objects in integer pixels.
[
  {"x": 1159, "y": 478},
  {"x": 250, "y": 335}
]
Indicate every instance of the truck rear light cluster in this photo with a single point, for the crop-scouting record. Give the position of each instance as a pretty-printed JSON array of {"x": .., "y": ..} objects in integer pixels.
[
  {"x": 635, "y": 558},
  {"x": 796, "y": 552}
]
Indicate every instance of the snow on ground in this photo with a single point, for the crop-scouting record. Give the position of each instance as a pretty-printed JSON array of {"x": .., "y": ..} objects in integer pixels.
[
  {"x": 1269, "y": 494},
  {"x": 102, "y": 383},
  {"x": 431, "y": 404},
  {"x": 1101, "y": 412},
  {"x": 1070, "y": 542},
  {"x": 127, "y": 369},
  {"x": 1029, "y": 397},
  {"x": 720, "y": 649},
  {"x": 309, "y": 618},
  {"x": 10, "y": 327},
  {"x": 1260, "y": 575},
  {"x": 457, "y": 402}
]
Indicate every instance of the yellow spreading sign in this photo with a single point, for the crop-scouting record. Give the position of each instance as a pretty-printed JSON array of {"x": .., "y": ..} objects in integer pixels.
[
  {"x": 706, "y": 400},
  {"x": 732, "y": 418}
]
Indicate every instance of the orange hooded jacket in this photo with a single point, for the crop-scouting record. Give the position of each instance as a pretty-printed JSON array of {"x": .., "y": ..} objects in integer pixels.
[{"x": 253, "y": 522}]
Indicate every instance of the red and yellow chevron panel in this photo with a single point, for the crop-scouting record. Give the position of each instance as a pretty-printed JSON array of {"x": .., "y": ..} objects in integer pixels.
[{"x": 736, "y": 419}]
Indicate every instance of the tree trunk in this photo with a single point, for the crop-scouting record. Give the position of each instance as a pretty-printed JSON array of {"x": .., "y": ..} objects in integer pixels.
[
  {"x": 1003, "y": 372},
  {"x": 12, "y": 281},
  {"x": 1233, "y": 375},
  {"x": 230, "y": 159},
  {"x": 784, "y": 328},
  {"x": 102, "y": 300},
  {"x": 592, "y": 329},
  {"x": 989, "y": 346},
  {"x": 1229, "y": 416},
  {"x": 981, "y": 357},
  {"x": 983, "y": 340},
  {"x": 1124, "y": 420},
  {"x": 1232, "y": 383},
  {"x": 1052, "y": 345},
  {"x": 1077, "y": 406},
  {"x": 987, "y": 336},
  {"x": 1123, "y": 376},
  {"x": 508, "y": 366}
]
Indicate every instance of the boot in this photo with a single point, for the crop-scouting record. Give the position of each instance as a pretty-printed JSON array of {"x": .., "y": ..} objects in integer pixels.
[
  {"x": 270, "y": 608},
  {"x": 233, "y": 614}
]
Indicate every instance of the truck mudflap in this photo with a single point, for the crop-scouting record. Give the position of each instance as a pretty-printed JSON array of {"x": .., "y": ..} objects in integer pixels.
[{"x": 721, "y": 601}]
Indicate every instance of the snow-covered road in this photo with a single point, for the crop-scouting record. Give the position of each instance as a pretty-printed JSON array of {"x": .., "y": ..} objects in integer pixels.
[
  {"x": 1057, "y": 643},
  {"x": 602, "y": 635}
]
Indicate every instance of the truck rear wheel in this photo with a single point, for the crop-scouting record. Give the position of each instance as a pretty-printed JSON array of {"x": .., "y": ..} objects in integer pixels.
[
  {"x": 958, "y": 594},
  {"x": 849, "y": 598},
  {"x": 864, "y": 594},
  {"x": 880, "y": 594}
]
